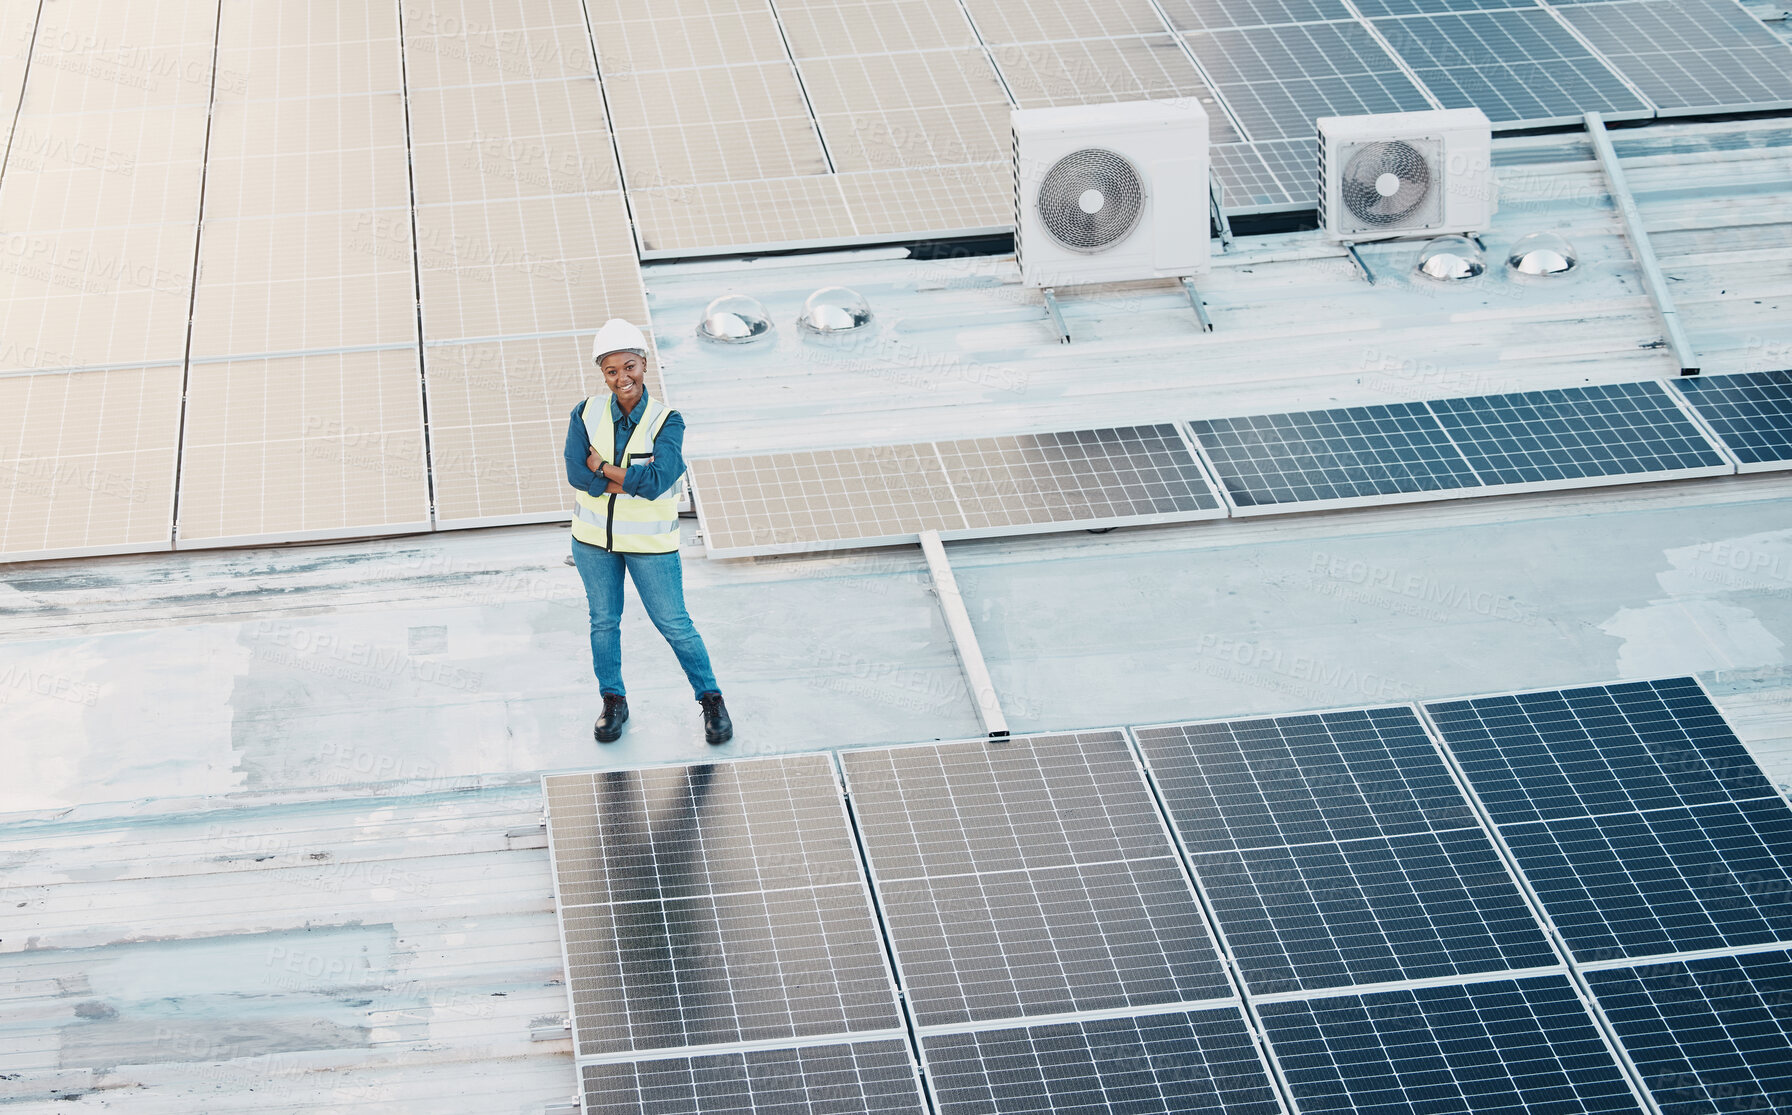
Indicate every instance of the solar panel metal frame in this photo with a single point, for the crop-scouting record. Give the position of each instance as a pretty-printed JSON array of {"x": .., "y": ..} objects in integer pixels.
[
  {"x": 898, "y": 1001},
  {"x": 1277, "y": 1090},
  {"x": 1220, "y": 510},
  {"x": 1173, "y": 849},
  {"x": 1690, "y": 393}
]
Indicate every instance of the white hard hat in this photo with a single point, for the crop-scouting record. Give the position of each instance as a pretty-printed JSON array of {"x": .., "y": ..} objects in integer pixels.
[{"x": 618, "y": 336}]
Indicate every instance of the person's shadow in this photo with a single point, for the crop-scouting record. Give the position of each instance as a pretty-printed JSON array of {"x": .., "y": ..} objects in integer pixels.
[{"x": 668, "y": 946}]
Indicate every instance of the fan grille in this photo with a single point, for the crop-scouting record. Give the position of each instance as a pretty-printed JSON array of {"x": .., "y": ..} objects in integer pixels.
[
  {"x": 1368, "y": 165},
  {"x": 1065, "y": 197}
]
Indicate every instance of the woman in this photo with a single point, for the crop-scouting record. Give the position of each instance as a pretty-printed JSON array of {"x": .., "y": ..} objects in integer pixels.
[{"x": 624, "y": 455}]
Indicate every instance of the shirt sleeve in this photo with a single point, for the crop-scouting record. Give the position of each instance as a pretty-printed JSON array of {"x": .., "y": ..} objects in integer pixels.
[
  {"x": 653, "y": 480},
  {"x": 577, "y": 448}
]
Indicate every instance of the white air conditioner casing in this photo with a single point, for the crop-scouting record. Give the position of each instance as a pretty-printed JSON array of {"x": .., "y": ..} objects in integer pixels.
[
  {"x": 1150, "y": 156},
  {"x": 1453, "y": 146}
]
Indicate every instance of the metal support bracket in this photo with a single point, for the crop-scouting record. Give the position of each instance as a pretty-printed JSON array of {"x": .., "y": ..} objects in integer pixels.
[
  {"x": 1057, "y": 315},
  {"x": 1360, "y": 264},
  {"x": 1653, "y": 280},
  {"x": 1194, "y": 299},
  {"x": 958, "y": 622},
  {"x": 1219, "y": 216}
]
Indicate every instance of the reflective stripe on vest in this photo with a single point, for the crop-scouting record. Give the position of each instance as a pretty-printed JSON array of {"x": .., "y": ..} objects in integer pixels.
[{"x": 625, "y": 523}]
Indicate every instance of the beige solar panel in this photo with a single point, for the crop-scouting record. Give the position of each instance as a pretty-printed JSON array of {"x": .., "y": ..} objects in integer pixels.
[
  {"x": 538, "y": 265},
  {"x": 305, "y": 282},
  {"x": 309, "y": 446},
  {"x": 476, "y": 42},
  {"x": 83, "y": 298},
  {"x": 930, "y": 200},
  {"x": 87, "y": 461},
  {"x": 805, "y": 500},
  {"x": 1034, "y": 21},
  {"x": 877, "y": 27},
  {"x": 280, "y": 49},
  {"x": 727, "y": 36},
  {"x": 17, "y": 22},
  {"x": 733, "y": 123},
  {"x": 134, "y": 54},
  {"x": 523, "y": 139},
  {"x": 679, "y": 219},
  {"x": 881, "y": 112},
  {"x": 306, "y": 156},
  {"x": 498, "y": 412}
]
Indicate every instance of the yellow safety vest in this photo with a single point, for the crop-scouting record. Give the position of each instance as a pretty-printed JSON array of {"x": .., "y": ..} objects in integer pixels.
[{"x": 623, "y": 523}]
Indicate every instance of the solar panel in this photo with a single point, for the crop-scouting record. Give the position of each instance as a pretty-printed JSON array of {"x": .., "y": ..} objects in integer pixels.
[
  {"x": 862, "y": 1078},
  {"x": 1665, "y": 880},
  {"x": 1690, "y": 55},
  {"x": 1302, "y": 779},
  {"x": 1336, "y": 850},
  {"x": 1632, "y": 431},
  {"x": 1205, "y": 15},
  {"x": 1751, "y": 413},
  {"x": 1373, "y": 910},
  {"x": 1028, "y": 876},
  {"x": 1373, "y": 8},
  {"x": 1511, "y": 1045},
  {"x": 1265, "y": 177},
  {"x": 1375, "y": 454},
  {"x": 1280, "y": 79},
  {"x": 1598, "y": 749},
  {"x": 87, "y": 461},
  {"x": 714, "y": 904},
  {"x": 1707, "y": 1035},
  {"x": 1082, "y": 475},
  {"x": 1518, "y": 64},
  {"x": 823, "y": 499},
  {"x": 1167, "y": 1064}
]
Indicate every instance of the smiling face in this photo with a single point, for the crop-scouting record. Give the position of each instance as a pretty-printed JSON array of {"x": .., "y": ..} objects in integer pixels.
[{"x": 625, "y": 375}]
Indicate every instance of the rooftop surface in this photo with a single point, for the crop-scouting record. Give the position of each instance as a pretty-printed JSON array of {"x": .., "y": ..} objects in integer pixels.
[{"x": 269, "y": 833}]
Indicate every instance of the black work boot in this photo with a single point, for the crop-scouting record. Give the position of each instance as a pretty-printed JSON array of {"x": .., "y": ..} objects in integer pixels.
[
  {"x": 609, "y": 725},
  {"x": 717, "y": 728}
]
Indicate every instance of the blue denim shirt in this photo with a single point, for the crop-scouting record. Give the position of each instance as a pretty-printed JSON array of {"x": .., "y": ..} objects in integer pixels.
[{"x": 649, "y": 481}]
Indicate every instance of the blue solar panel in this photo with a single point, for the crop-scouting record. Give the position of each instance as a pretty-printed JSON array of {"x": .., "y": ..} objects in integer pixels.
[
  {"x": 1663, "y": 881},
  {"x": 1523, "y": 1047},
  {"x": 1164, "y": 1064},
  {"x": 1690, "y": 55},
  {"x": 1517, "y": 64},
  {"x": 1752, "y": 413},
  {"x": 1349, "y": 453},
  {"x": 1710, "y": 1035},
  {"x": 865, "y": 1078},
  {"x": 1301, "y": 779},
  {"x": 1598, "y": 749},
  {"x": 1371, "y": 911},
  {"x": 1537, "y": 437},
  {"x": 1029, "y": 876}
]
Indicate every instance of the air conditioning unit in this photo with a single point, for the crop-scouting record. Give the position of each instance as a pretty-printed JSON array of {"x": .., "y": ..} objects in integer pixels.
[
  {"x": 1405, "y": 174},
  {"x": 1110, "y": 193}
]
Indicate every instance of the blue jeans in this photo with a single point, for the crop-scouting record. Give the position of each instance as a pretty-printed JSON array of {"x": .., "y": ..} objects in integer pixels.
[{"x": 659, "y": 578}]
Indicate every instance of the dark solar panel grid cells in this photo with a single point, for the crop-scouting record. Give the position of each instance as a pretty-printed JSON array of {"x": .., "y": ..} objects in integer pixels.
[
  {"x": 1377, "y": 8},
  {"x": 1516, "y": 64},
  {"x": 1519, "y": 1046},
  {"x": 1206, "y": 15},
  {"x": 1165, "y": 1064},
  {"x": 1370, "y": 911},
  {"x": 1598, "y": 749},
  {"x": 864, "y": 1078},
  {"x": 1711, "y": 1035},
  {"x": 1539, "y": 437},
  {"x": 1302, "y": 779},
  {"x": 714, "y": 903},
  {"x": 981, "y": 948},
  {"x": 1664, "y": 881},
  {"x": 1348, "y": 453},
  {"x": 1751, "y": 413},
  {"x": 1028, "y": 876}
]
